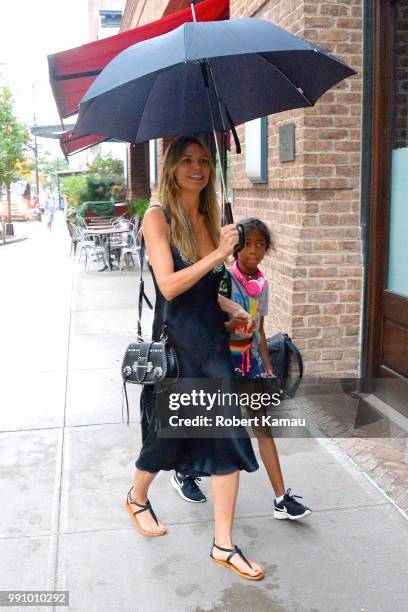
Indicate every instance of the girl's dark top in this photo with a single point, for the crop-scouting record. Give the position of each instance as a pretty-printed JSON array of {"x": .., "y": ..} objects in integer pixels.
[{"x": 195, "y": 326}]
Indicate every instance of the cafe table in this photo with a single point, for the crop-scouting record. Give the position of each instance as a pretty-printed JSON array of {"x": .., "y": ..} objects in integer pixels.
[{"x": 107, "y": 231}]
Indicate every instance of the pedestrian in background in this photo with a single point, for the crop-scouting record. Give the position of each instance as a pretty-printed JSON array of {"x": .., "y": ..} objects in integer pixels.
[{"x": 49, "y": 210}]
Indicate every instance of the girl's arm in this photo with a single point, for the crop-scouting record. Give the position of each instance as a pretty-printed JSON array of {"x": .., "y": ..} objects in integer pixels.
[
  {"x": 264, "y": 349},
  {"x": 239, "y": 316},
  {"x": 171, "y": 283}
]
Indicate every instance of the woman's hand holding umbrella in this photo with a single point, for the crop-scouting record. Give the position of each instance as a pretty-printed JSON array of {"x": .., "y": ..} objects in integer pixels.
[{"x": 228, "y": 240}]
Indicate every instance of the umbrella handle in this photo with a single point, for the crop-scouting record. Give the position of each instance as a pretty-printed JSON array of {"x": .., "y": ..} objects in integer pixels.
[{"x": 230, "y": 219}]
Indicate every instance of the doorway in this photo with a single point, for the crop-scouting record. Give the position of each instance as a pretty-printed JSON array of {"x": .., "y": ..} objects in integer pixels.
[{"x": 387, "y": 338}]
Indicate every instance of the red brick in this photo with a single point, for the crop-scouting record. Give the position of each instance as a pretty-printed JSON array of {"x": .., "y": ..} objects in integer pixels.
[
  {"x": 306, "y": 333},
  {"x": 333, "y": 308},
  {"x": 353, "y": 283},
  {"x": 322, "y": 296},
  {"x": 351, "y": 330},
  {"x": 330, "y": 342},
  {"x": 306, "y": 309},
  {"x": 334, "y": 9},
  {"x": 316, "y": 367},
  {"x": 311, "y": 355},
  {"x": 309, "y": 284},
  {"x": 350, "y": 319},
  {"x": 329, "y": 332},
  {"x": 322, "y": 272},
  {"x": 350, "y": 296},
  {"x": 347, "y": 341},
  {"x": 321, "y": 321},
  {"x": 332, "y": 355},
  {"x": 334, "y": 284}
]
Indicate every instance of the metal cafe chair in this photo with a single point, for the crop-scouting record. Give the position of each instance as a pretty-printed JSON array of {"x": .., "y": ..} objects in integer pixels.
[
  {"x": 93, "y": 250},
  {"x": 132, "y": 251},
  {"x": 74, "y": 235}
]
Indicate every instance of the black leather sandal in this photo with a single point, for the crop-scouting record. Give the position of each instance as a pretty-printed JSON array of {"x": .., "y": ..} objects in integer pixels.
[
  {"x": 234, "y": 568},
  {"x": 133, "y": 516}
]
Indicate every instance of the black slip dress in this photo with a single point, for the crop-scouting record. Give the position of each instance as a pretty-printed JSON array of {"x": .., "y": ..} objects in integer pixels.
[{"x": 195, "y": 327}]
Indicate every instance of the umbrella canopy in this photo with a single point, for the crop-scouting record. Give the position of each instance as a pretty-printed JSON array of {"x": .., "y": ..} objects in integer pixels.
[
  {"x": 234, "y": 70},
  {"x": 72, "y": 72}
]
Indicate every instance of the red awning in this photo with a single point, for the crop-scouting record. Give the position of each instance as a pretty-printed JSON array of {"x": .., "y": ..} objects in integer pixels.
[
  {"x": 72, "y": 72},
  {"x": 73, "y": 144}
]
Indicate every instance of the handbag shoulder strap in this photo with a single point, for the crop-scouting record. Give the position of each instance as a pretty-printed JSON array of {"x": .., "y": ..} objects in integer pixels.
[
  {"x": 142, "y": 293},
  {"x": 292, "y": 346}
]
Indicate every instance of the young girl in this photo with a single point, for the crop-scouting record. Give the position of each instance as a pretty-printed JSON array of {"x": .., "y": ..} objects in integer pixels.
[{"x": 245, "y": 284}]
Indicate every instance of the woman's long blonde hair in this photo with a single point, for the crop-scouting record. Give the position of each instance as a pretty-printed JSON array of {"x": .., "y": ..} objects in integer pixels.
[{"x": 181, "y": 230}]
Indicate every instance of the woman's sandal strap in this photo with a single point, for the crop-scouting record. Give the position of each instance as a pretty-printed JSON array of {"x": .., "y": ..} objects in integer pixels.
[
  {"x": 143, "y": 507},
  {"x": 239, "y": 552},
  {"x": 224, "y": 549},
  {"x": 234, "y": 551}
]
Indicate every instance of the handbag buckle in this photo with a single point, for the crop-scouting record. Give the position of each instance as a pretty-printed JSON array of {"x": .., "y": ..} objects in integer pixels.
[{"x": 140, "y": 363}]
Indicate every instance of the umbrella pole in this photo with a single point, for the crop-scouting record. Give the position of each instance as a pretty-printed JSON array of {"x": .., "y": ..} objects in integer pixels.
[
  {"x": 226, "y": 206},
  {"x": 193, "y": 10}
]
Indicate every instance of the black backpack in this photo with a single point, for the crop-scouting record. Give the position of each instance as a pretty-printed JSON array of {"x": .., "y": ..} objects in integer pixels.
[{"x": 286, "y": 359}]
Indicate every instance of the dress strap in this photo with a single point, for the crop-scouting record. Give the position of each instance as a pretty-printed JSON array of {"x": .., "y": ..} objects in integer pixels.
[{"x": 166, "y": 212}]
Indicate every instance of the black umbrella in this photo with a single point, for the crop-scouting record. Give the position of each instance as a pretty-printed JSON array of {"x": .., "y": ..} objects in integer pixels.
[
  {"x": 248, "y": 67},
  {"x": 206, "y": 76}
]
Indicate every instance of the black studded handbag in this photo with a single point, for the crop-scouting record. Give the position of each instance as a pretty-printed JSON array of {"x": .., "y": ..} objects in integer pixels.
[{"x": 148, "y": 362}]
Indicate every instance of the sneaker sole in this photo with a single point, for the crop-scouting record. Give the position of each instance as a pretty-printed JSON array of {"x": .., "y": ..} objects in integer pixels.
[
  {"x": 282, "y": 516},
  {"x": 179, "y": 491}
]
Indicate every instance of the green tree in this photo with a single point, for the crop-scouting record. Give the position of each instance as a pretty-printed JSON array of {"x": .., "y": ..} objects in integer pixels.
[
  {"x": 14, "y": 137},
  {"x": 106, "y": 180},
  {"x": 49, "y": 168},
  {"x": 108, "y": 167},
  {"x": 75, "y": 187}
]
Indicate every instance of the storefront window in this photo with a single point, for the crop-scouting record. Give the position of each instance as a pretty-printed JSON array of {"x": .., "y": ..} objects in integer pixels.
[{"x": 398, "y": 238}]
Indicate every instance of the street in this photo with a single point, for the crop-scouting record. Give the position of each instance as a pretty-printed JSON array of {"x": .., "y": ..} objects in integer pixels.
[{"x": 67, "y": 462}]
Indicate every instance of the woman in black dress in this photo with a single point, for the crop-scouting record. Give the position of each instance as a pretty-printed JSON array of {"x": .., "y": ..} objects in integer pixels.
[{"x": 186, "y": 249}]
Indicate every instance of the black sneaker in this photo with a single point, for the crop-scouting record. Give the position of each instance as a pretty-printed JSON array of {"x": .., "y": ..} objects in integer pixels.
[
  {"x": 187, "y": 488},
  {"x": 290, "y": 509}
]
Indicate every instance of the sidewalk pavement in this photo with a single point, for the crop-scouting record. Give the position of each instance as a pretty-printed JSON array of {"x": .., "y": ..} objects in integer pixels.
[
  {"x": 18, "y": 236},
  {"x": 67, "y": 462}
]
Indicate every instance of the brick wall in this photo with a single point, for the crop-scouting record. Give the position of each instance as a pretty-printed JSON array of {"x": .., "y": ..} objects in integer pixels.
[
  {"x": 139, "y": 12},
  {"x": 138, "y": 171},
  {"x": 312, "y": 204},
  {"x": 162, "y": 145}
]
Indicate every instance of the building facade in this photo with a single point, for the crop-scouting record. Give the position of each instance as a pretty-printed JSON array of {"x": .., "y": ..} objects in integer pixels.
[{"x": 339, "y": 267}]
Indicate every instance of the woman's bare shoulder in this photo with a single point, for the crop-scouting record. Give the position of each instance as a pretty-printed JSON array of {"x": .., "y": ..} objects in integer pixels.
[
  {"x": 157, "y": 211},
  {"x": 155, "y": 222}
]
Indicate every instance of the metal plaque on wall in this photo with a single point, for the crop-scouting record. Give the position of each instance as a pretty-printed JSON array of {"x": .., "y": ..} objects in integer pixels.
[{"x": 287, "y": 142}]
